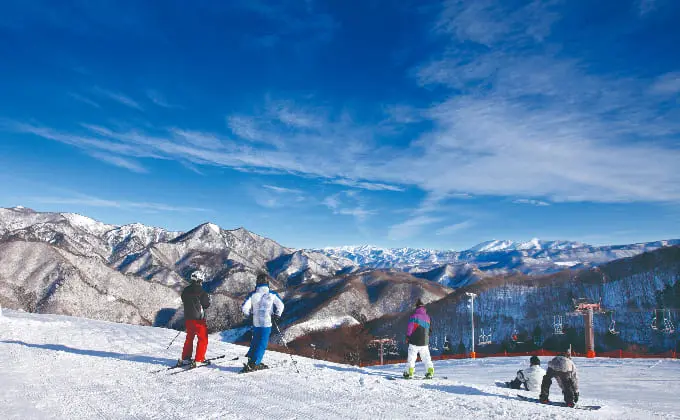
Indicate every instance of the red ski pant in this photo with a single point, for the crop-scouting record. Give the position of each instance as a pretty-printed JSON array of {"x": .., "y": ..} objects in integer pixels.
[{"x": 195, "y": 328}]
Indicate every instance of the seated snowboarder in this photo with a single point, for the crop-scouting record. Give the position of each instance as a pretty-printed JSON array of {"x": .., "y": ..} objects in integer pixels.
[
  {"x": 531, "y": 377},
  {"x": 264, "y": 305},
  {"x": 195, "y": 301},
  {"x": 564, "y": 370},
  {"x": 418, "y": 339}
]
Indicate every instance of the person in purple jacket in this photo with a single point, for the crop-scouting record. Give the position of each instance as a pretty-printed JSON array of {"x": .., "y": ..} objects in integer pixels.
[{"x": 418, "y": 339}]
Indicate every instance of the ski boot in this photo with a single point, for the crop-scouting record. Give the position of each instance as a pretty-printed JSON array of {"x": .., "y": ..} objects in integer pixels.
[
  {"x": 409, "y": 373},
  {"x": 181, "y": 362},
  {"x": 260, "y": 366},
  {"x": 430, "y": 373},
  {"x": 248, "y": 367}
]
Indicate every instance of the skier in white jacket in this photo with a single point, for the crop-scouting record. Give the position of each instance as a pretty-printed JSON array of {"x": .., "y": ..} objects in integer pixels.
[
  {"x": 531, "y": 377},
  {"x": 264, "y": 305}
]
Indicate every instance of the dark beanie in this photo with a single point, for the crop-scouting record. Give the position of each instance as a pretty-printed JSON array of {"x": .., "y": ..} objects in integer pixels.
[{"x": 262, "y": 280}]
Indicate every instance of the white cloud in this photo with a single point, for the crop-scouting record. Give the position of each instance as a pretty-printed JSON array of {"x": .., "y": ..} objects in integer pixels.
[
  {"x": 667, "y": 84},
  {"x": 456, "y": 227},
  {"x": 199, "y": 139},
  {"x": 119, "y": 161},
  {"x": 282, "y": 190},
  {"x": 411, "y": 227},
  {"x": 84, "y": 100},
  {"x": 85, "y": 200},
  {"x": 646, "y": 6},
  {"x": 371, "y": 186},
  {"x": 117, "y": 97},
  {"x": 160, "y": 100},
  {"x": 356, "y": 207},
  {"x": 531, "y": 201}
]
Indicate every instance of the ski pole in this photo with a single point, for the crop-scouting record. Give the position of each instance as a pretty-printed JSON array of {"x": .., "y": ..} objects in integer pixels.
[
  {"x": 285, "y": 345},
  {"x": 173, "y": 340}
]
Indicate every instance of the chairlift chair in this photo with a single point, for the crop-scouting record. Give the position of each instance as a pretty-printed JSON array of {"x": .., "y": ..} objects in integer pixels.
[
  {"x": 668, "y": 327},
  {"x": 612, "y": 326}
]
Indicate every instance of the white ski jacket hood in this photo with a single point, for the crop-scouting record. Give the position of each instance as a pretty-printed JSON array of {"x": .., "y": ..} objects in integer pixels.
[{"x": 262, "y": 303}]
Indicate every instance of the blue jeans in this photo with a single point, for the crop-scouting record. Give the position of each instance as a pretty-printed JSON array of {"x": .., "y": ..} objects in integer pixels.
[{"x": 259, "y": 343}]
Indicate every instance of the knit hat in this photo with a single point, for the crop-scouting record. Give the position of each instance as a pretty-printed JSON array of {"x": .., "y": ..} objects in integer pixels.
[
  {"x": 419, "y": 303},
  {"x": 262, "y": 280},
  {"x": 534, "y": 360}
]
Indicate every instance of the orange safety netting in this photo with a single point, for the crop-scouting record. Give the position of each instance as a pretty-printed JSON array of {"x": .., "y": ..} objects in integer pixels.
[{"x": 617, "y": 354}]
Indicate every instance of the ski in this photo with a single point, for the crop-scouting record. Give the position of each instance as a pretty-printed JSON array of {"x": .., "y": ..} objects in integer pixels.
[
  {"x": 175, "y": 366},
  {"x": 558, "y": 404},
  {"x": 207, "y": 362}
]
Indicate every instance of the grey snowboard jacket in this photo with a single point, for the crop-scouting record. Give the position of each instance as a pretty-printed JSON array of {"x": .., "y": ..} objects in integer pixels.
[{"x": 565, "y": 365}]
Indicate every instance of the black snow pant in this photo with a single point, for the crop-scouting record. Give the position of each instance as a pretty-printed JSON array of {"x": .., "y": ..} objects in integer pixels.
[
  {"x": 565, "y": 381},
  {"x": 518, "y": 381}
]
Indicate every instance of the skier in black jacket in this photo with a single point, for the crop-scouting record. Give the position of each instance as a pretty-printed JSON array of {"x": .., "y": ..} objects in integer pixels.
[{"x": 196, "y": 301}]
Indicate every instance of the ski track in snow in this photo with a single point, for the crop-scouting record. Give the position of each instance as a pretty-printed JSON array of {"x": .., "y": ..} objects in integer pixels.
[{"x": 58, "y": 367}]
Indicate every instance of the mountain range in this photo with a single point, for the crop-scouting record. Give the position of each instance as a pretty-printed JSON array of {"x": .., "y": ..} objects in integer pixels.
[{"x": 70, "y": 264}]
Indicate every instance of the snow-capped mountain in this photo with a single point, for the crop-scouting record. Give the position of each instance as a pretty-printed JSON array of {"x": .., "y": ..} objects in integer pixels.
[
  {"x": 70, "y": 264},
  {"x": 491, "y": 258}
]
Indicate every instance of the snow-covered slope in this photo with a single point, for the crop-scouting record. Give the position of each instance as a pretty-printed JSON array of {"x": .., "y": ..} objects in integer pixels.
[{"x": 57, "y": 367}]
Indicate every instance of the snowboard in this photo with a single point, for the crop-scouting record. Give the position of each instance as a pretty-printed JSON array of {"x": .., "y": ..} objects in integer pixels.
[{"x": 559, "y": 404}]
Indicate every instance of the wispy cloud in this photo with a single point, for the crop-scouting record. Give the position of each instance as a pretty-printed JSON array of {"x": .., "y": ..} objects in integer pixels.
[
  {"x": 117, "y": 97},
  {"x": 118, "y": 161},
  {"x": 272, "y": 196},
  {"x": 85, "y": 200},
  {"x": 667, "y": 84},
  {"x": 531, "y": 202},
  {"x": 371, "y": 186},
  {"x": 338, "y": 204},
  {"x": 456, "y": 227},
  {"x": 646, "y": 6},
  {"x": 411, "y": 227},
  {"x": 160, "y": 100},
  {"x": 83, "y": 99},
  {"x": 283, "y": 190}
]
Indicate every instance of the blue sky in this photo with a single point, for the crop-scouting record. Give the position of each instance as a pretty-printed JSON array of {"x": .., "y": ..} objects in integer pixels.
[{"x": 410, "y": 123}]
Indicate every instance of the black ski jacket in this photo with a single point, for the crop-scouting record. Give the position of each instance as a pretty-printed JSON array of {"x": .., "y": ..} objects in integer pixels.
[{"x": 195, "y": 300}]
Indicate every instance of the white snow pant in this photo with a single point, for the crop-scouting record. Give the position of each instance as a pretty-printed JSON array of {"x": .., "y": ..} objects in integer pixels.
[{"x": 414, "y": 351}]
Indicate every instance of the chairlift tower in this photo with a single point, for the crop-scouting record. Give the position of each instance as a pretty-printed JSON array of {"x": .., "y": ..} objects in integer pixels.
[
  {"x": 587, "y": 309},
  {"x": 472, "y": 297}
]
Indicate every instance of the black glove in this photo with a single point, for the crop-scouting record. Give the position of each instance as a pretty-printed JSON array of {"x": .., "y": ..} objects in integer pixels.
[{"x": 575, "y": 397}]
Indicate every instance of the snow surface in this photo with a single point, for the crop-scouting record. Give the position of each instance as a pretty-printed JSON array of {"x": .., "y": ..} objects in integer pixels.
[{"x": 72, "y": 368}]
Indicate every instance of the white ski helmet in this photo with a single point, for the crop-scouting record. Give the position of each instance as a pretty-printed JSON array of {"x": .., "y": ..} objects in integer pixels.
[{"x": 198, "y": 276}]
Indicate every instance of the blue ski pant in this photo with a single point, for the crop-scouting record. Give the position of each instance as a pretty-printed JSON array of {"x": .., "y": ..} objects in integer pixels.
[{"x": 259, "y": 343}]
